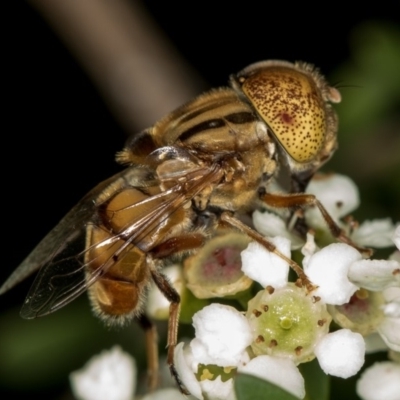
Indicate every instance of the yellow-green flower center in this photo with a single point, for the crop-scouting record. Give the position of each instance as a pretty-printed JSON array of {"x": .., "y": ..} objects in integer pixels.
[{"x": 287, "y": 322}]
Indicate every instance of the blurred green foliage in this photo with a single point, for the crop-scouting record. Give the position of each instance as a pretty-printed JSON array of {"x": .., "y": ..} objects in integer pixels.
[{"x": 369, "y": 119}]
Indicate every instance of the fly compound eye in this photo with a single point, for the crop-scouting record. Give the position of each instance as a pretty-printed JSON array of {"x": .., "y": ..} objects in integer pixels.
[{"x": 291, "y": 104}]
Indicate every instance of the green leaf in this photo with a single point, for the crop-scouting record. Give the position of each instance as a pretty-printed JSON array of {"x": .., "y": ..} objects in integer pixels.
[
  {"x": 248, "y": 387},
  {"x": 316, "y": 381}
]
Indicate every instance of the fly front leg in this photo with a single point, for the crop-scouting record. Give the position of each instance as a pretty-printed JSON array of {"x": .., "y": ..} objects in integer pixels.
[
  {"x": 229, "y": 219},
  {"x": 293, "y": 201},
  {"x": 178, "y": 244}
]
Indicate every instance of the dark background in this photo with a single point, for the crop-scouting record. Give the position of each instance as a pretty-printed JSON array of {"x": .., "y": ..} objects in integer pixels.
[{"x": 60, "y": 139}]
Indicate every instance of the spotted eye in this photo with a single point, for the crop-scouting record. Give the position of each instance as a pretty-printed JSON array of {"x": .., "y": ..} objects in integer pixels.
[{"x": 292, "y": 105}]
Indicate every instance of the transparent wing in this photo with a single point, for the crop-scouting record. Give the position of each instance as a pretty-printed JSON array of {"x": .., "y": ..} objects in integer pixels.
[
  {"x": 59, "y": 238},
  {"x": 66, "y": 271}
]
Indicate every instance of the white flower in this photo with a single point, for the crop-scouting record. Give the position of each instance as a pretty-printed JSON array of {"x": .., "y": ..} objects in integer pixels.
[
  {"x": 372, "y": 311},
  {"x": 287, "y": 323},
  {"x": 380, "y": 382},
  {"x": 205, "y": 381},
  {"x": 223, "y": 334},
  {"x": 326, "y": 268},
  {"x": 188, "y": 361},
  {"x": 362, "y": 314},
  {"x": 339, "y": 195},
  {"x": 382, "y": 276},
  {"x": 225, "y": 340},
  {"x": 108, "y": 376}
]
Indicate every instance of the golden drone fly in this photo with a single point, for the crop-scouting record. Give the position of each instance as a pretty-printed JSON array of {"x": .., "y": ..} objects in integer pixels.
[{"x": 202, "y": 167}]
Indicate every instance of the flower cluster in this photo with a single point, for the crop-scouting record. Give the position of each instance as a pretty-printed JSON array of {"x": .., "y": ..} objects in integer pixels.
[
  {"x": 266, "y": 323},
  {"x": 284, "y": 324}
]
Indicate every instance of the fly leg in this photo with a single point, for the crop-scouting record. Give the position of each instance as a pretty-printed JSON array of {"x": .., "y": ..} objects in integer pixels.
[
  {"x": 229, "y": 219},
  {"x": 299, "y": 200},
  {"x": 154, "y": 261},
  {"x": 173, "y": 297},
  {"x": 150, "y": 331}
]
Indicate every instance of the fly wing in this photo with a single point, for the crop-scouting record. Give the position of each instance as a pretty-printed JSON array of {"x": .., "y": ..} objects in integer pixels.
[
  {"x": 65, "y": 271},
  {"x": 60, "y": 237},
  {"x": 59, "y": 257}
]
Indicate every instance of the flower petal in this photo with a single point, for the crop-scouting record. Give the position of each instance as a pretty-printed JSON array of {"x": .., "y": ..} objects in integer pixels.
[
  {"x": 222, "y": 335},
  {"x": 183, "y": 360},
  {"x": 271, "y": 225},
  {"x": 381, "y": 381},
  {"x": 265, "y": 267},
  {"x": 328, "y": 270},
  {"x": 338, "y": 194},
  {"x": 392, "y": 295},
  {"x": 374, "y": 275},
  {"x": 218, "y": 390},
  {"x": 281, "y": 372},
  {"x": 341, "y": 353},
  {"x": 110, "y": 375},
  {"x": 396, "y": 237},
  {"x": 395, "y": 256},
  {"x": 389, "y": 329},
  {"x": 377, "y": 233}
]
